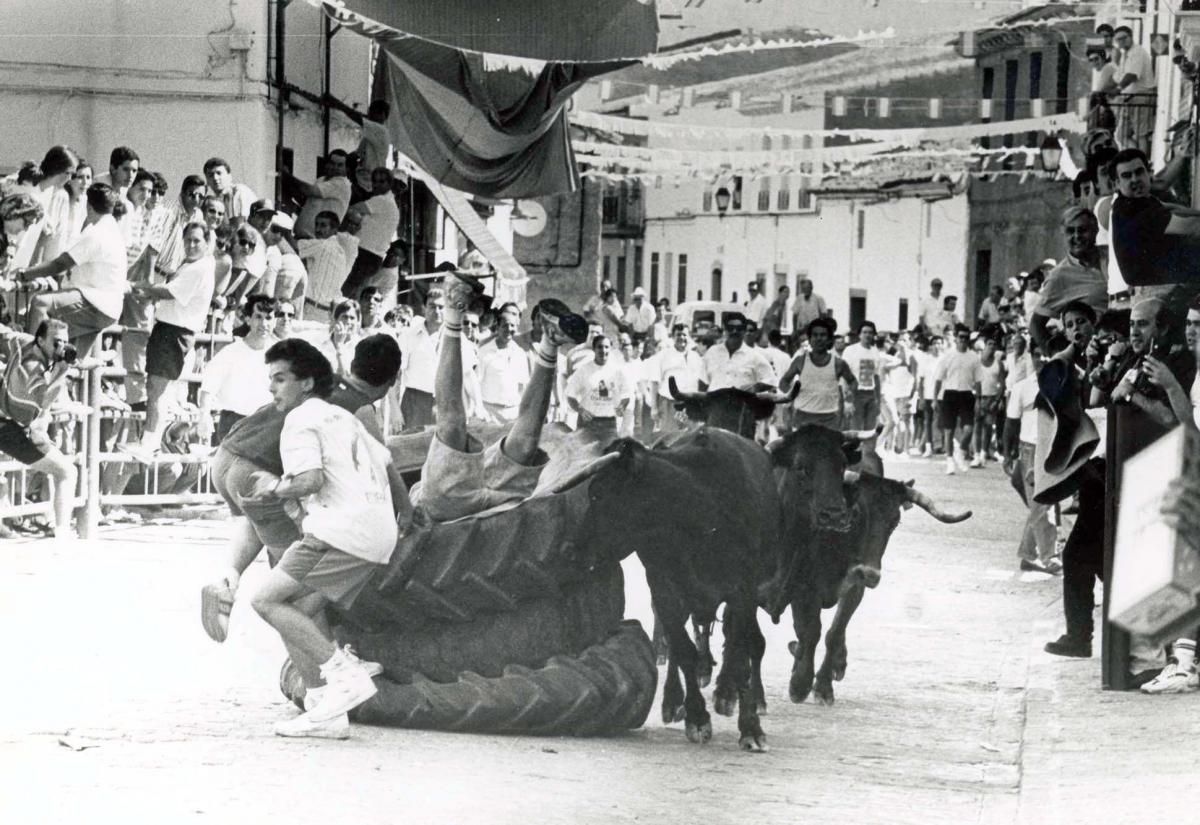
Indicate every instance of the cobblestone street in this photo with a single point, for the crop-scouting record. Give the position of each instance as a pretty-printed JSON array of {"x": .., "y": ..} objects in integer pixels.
[{"x": 117, "y": 708}]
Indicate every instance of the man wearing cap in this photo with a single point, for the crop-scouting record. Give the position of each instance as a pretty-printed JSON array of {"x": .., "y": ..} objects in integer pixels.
[
  {"x": 639, "y": 316},
  {"x": 731, "y": 363},
  {"x": 264, "y": 262},
  {"x": 380, "y": 217},
  {"x": 931, "y": 307},
  {"x": 1134, "y": 76}
]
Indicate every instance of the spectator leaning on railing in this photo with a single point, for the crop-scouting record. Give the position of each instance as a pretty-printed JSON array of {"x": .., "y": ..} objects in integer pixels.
[{"x": 35, "y": 377}]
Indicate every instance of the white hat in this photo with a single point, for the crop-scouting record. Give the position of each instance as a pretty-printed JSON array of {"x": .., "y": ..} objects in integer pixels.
[
  {"x": 638, "y": 292},
  {"x": 283, "y": 220}
]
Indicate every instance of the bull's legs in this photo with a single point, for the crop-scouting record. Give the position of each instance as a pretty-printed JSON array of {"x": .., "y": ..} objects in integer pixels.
[
  {"x": 833, "y": 667},
  {"x": 744, "y": 642},
  {"x": 758, "y": 649},
  {"x": 660, "y": 646},
  {"x": 672, "y": 702},
  {"x": 806, "y": 620},
  {"x": 668, "y": 604}
]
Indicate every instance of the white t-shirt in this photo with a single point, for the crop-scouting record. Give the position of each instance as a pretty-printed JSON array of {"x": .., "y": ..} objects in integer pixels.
[
  {"x": 747, "y": 366},
  {"x": 866, "y": 365},
  {"x": 684, "y": 367},
  {"x": 959, "y": 371},
  {"x": 778, "y": 359},
  {"x": 504, "y": 372},
  {"x": 100, "y": 266},
  {"x": 333, "y": 195},
  {"x": 1138, "y": 62},
  {"x": 192, "y": 291},
  {"x": 380, "y": 217},
  {"x": 1026, "y": 393},
  {"x": 599, "y": 389},
  {"x": 926, "y": 368},
  {"x": 420, "y": 354},
  {"x": 237, "y": 378},
  {"x": 353, "y": 509},
  {"x": 756, "y": 309}
]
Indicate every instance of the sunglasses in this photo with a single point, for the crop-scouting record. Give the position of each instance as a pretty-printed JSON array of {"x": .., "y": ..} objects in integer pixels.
[
  {"x": 285, "y": 315},
  {"x": 246, "y": 242},
  {"x": 735, "y": 329}
]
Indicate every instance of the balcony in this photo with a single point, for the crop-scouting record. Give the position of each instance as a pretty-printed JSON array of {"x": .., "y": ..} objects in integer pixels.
[{"x": 622, "y": 210}]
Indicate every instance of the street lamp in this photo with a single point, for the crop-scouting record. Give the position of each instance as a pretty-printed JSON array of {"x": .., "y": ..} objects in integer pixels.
[
  {"x": 722, "y": 198},
  {"x": 1051, "y": 152}
]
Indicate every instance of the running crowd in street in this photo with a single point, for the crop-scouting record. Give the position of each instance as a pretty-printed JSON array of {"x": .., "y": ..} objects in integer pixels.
[{"x": 291, "y": 415}]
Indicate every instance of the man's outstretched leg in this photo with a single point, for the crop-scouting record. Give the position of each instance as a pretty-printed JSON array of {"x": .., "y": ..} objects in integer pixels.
[{"x": 560, "y": 326}]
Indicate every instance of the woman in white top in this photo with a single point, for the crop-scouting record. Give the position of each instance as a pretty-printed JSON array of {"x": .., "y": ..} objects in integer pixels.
[
  {"x": 67, "y": 212},
  {"x": 52, "y": 174},
  {"x": 343, "y": 336}
]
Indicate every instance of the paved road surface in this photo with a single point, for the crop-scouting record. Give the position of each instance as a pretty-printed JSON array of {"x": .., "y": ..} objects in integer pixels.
[{"x": 949, "y": 711}]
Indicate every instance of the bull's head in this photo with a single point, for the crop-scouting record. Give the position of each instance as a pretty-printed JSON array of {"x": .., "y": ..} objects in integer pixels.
[
  {"x": 878, "y": 503},
  {"x": 736, "y": 410},
  {"x": 811, "y": 466}
]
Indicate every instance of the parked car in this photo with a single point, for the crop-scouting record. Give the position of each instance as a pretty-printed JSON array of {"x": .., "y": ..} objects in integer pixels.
[{"x": 699, "y": 315}]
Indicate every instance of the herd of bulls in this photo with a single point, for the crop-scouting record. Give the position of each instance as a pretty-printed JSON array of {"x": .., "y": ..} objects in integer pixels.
[{"x": 716, "y": 518}]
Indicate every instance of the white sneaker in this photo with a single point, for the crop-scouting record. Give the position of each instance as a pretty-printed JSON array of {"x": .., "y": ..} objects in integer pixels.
[
  {"x": 927, "y": 452},
  {"x": 1173, "y": 679},
  {"x": 949, "y": 466},
  {"x": 305, "y": 726},
  {"x": 347, "y": 686},
  {"x": 960, "y": 461},
  {"x": 977, "y": 461},
  {"x": 373, "y": 669}
]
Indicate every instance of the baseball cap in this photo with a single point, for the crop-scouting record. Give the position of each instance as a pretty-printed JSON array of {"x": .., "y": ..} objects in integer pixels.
[
  {"x": 263, "y": 205},
  {"x": 284, "y": 221}
]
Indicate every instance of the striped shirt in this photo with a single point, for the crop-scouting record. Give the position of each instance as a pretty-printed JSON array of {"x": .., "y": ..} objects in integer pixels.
[{"x": 25, "y": 385}]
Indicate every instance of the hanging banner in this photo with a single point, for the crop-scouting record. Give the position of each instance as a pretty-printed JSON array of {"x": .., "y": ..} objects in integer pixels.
[
  {"x": 498, "y": 133},
  {"x": 557, "y": 30},
  {"x": 1068, "y": 122}
]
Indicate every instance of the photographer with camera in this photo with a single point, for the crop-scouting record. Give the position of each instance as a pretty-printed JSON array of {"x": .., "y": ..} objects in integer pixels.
[{"x": 35, "y": 377}]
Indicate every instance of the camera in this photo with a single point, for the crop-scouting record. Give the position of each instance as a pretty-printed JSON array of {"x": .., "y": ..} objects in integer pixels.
[{"x": 68, "y": 354}]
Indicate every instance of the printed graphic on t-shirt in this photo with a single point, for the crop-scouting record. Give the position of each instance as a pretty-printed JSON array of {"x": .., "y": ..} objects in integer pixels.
[{"x": 866, "y": 373}]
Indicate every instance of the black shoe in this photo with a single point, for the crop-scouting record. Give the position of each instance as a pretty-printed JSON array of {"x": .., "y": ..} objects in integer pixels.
[
  {"x": 1136, "y": 680},
  {"x": 559, "y": 319},
  {"x": 1073, "y": 646}
]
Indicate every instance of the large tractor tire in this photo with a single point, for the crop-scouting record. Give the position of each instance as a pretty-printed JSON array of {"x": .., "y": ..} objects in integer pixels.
[
  {"x": 606, "y": 689},
  {"x": 585, "y": 615},
  {"x": 460, "y": 571}
]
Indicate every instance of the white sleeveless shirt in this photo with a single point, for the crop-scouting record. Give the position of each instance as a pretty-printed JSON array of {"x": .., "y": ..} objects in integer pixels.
[{"x": 819, "y": 390}]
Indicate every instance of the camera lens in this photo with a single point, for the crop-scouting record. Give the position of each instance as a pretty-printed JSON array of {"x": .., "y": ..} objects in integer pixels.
[{"x": 69, "y": 353}]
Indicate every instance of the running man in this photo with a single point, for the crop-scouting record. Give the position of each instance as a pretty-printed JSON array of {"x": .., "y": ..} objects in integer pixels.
[{"x": 340, "y": 474}]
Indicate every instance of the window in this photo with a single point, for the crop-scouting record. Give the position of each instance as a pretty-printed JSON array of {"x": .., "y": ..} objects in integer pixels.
[
  {"x": 1062, "y": 80},
  {"x": 983, "y": 277},
  {"x": 681, "y": 287},
  {"x": 611, "y": 205},
  {"x": 1035, "y": 75},
  {"x": 858, "y": 308},
  {"x": 862, "y": 228},
  {"x": 805, "y": 201},
  {"x": 637, "y": 266},
  {"x": 737, "y": 193},
  {"x": 716, "y": 283},
  {"x": 653, "y": 277},
  {"x": 764, "y": 196},
  {"x": 783, "y": 201},
  {"x": 1012, "y": 70},
  {"x": 903, "y": 324},
  {"x": 708, "y": 201},
  {"x": 607, "y": 267},
  {"x": 621, "y": 277},
  {"x": 766, "y": 143},
  {"x": 987, "y": 93}
]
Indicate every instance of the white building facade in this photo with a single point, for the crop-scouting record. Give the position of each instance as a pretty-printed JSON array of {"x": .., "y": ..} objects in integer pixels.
[
  {"x": 178, "y": 82},
  {"x": 869, "y": 255}
]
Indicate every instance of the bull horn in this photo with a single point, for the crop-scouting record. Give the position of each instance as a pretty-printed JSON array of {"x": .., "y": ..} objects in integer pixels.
[
  {"x": 584, "y": 473},
  {"x": 861, "y": 435},
  {"x": 930, "y": 506},
  {"x": 851, "y": 476},
  {"x": 678, "y": 395},
  {"x": 777, "y": 397}
]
